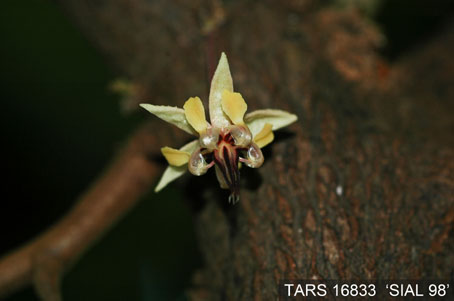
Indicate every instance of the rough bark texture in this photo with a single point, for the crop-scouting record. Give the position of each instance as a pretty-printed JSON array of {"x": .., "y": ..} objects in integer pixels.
[{"x": 361, "y": 187}]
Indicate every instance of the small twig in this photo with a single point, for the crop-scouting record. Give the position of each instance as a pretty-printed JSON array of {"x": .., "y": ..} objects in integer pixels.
[{"x": 43, "y": 260}]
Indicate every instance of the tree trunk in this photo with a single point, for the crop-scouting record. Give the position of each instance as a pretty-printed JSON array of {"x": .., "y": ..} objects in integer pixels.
[{"x": 360, "y": 188}]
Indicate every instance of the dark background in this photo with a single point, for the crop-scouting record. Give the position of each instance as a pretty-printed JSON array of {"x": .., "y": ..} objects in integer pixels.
[{"x": 61, "y": 125}]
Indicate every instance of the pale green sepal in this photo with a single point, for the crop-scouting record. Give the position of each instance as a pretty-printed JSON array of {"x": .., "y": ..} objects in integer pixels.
[
  {"x": 172, "y": 115},
  {"x": 173, "y": 172},
  {"x": 222, "y": 80},
  {"x": 277, "y": 118}
]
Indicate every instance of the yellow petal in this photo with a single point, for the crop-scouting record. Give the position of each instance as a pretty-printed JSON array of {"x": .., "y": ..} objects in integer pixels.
[
  {"x": 234, "y": 106},
  {"x": 174, "y": 172},
  {"x": 265, "y": 136},
  {"x": 175, "y": 157},
  {"x": 195, "y": 114}
]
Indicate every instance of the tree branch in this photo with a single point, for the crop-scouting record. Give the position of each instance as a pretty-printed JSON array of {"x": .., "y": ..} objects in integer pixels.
[{"x": 43, "y": 260}]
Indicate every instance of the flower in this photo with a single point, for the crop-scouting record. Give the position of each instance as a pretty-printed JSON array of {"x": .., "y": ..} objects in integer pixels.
[{"x": 228, "y": 140}]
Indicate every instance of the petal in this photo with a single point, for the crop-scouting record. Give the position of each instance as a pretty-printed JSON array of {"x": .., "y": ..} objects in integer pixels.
[
  {"x": 173, "y": 172},
  {"x": 195, "y": 114},
  {"x": 197, "y": 164},
  {"x": 254, "y": 156},
  {"x": 222, "y": 80},
  {"x": 175, "y": 157},
  {"x": 265, "y": 136},
  {"x": 234, "y": 106},
  {"x": 277, "y": 118},
  {"x": 172, "y": 115}
]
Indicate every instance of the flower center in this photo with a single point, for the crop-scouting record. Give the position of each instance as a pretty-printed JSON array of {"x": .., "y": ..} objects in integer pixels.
[
  {"x": 226, "y": 148},
  {"x": 226, "y": 158}
]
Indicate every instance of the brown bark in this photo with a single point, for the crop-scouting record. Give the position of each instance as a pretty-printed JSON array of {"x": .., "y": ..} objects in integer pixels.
[{"x": 360, "y": 188}]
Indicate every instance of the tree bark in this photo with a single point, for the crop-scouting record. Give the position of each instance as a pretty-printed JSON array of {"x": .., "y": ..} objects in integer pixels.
[{"x": 360, "y": 188}]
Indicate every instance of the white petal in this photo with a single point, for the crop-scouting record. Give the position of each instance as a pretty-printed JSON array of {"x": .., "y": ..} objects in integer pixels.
[
  {"x": 222, "y": 80},
  {"x": 173, "y": 172},
  {"x": 277, "y": 118},
  {"x": 172, "y": 115}
]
